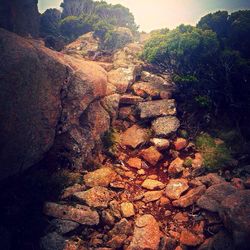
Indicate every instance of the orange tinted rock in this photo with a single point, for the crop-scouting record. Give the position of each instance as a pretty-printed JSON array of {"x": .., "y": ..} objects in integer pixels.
[
  {"x": 180, "y": 144},
  {"x": 176, "y": 187},
  {"x": 151, "y": 155},
  {"x": 135, "y": 163},
  {"x": 146, "y": 234},
  {"x": 189, "y": 239},
  {"x": 176, "y": 166},
  {"x": 152, "y": 184}
]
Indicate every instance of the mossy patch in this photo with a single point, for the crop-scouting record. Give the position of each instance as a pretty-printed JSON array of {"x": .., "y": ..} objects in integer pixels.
[{"x": 215, "y": 152}]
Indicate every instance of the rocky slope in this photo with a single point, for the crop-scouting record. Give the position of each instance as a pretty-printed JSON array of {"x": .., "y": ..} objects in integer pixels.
[
  {"x": 113, "y": 123},
  {"x": 143, "y": 192}
]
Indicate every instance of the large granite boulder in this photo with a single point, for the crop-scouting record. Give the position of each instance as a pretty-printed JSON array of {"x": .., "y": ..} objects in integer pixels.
[{"x": 44, "y": 94}]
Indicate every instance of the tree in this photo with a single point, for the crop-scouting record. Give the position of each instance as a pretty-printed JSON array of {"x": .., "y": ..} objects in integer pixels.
[{"x": 49, "y": 23}]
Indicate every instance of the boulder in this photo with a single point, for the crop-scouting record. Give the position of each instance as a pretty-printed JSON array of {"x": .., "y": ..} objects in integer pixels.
[
  {"x": 100, "y": 177},
  {"x": 151, "y": 155},
  {"x": 213, "y": 197},
  {"x": 190, "y": 197},
  {"x": 146, "y": 234},
  {"x": 59, "y": 89},
  {"x": 152, "y": 184},
  {"x": 79, "y": 213},
  {"x": 157, "y": 108},
  {"x": 175, "y": 188},
  {"x": 134, "y": 136},
  {"x": 164, "y": 126},
  {"x": 97, "y": 197},
  {"x": 235, "y": 212}
]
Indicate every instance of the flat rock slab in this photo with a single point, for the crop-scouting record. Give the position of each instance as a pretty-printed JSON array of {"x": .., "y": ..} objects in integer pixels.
[
  {"x": 97, "y": 197},
  {"x": 152, "y": 196},
  {"x": 190, "y": 198},
  {"x": 153, "y": 109},
  {"x": 135, "y": 163},
  {"x": 176, "y": 187},
  {"x": 101, "y": 177},
  {"x": 146, "y": 234},
  {"x": 214, "y": 196},
  {"x": 153, "y": 89},
  {"x": 151, "y": 155},
  {"x": 134, "y": 136},
  {"x": 130, "y": 99},
  {"x": 164, "y": 126},
  {"x": 152, "y": 184},
  {"x": 79, "y": 213}
]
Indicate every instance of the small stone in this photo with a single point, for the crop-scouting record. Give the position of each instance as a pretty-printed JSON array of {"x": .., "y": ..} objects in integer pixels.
[
  {"x": 121, "y": 227},
  {"x": 176, "y": 187},
  {"x": 146, "y": 233},
  {"x": 167, "y": 213},
  {"x": 152, "y": 184},
  {"x": 180, "y": 143},
  {"x": 164, "y": 126},
  {"x": 153, "y": 177},
  {"x": 198, "y": 161},
  {"x": 135, "y": 163},
  {"x": 100, "y": 177},
  {"x": 141, "y": 172},
  {"x": 127, "y": 209},
  {"x": 181, "y": 217},
  {"x": 164, "y": 201},
  {"x": 71, "y": 190},
  {"x": 134, "y": 136},
  {"x": 151, "y": 155},
  {"x": 97, "y": 197},
  {"x": 189, "y": 239},
  {"x": 176, "y": 166},
  {"x": 190, "y": 198},
  {"x": 108, "y": 218},
  {"x": 160, "y": 143},
  {"x": 152, "y": 196},
  {"x": 116, "y": 241}
]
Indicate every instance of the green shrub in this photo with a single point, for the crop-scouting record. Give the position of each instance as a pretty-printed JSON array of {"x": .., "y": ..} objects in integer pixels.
[{"x": 215, "y": 153}]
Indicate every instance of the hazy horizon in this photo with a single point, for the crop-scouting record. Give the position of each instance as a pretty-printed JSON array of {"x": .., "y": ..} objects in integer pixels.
[{"x": 156, "y": 14}]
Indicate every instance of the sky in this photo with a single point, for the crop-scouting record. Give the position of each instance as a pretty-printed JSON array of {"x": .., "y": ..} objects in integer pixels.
[{"x": 156, "y": 14}]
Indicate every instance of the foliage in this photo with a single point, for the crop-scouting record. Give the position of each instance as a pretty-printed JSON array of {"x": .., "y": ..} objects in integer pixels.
[
  {"x": 81, "y": 16},
  {"x": 210, "y": 64},
  {"x": 215, "y": 152}
]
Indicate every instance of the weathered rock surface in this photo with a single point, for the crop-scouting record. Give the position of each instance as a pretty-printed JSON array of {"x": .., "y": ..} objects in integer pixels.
[
  {"x": 81, "y": 214},
  {"x": 63, "y": 226},
  {"x": 111, "y": 104},
  {"x": 189, "y": 239},
  {"x": 146, "y": 234},
  {"x": 214, "y": 196},
  {"x": 190, "y": 197},
  {"x": 130, "y": 99},
  {"x": 152, "y": 196},
  {"x": 157, "y": 108},
  {"x": 176, "y": 166},
  {"x": 152, "y": 184},
  {"x": 127, "y": 209},
  {"x": 160, "y": 143},
  {"x": 59, "y": 89},
  {"x": 151, "y": 155},
  {"x": 100, "y": 177},
  {"x": 235, "y": 212},
  {"x": 176, "y": 187},
  {"x": 145, "y": 89},
  {"x": 135, "y": 163},
  {"x": 98, "y": 197},
  {"x": 164, "y": 126},
  {"x": 134, "y": 136}
]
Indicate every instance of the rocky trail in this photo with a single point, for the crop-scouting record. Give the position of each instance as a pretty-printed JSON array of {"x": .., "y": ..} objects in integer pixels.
[
  {"x": 111, "y": 121},
  {"x": 148, "y": 188}
]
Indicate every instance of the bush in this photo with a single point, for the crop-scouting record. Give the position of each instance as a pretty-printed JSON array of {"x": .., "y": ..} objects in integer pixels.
[{"x": 215, "y": 152}]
